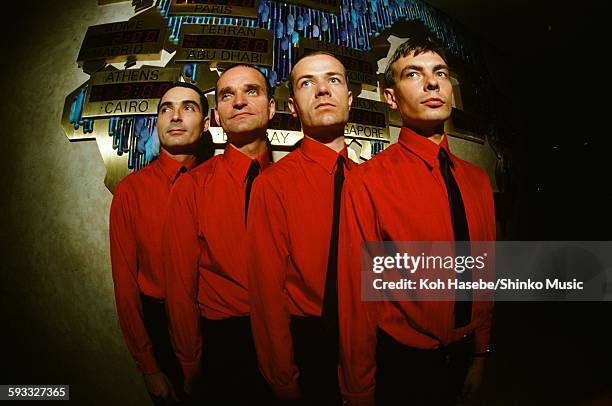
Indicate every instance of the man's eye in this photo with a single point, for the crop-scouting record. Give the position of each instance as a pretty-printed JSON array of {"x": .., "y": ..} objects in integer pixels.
[
  {"x": 165, "y": 109},
  {"x": 411, "y": 74},
  {"x": 334, "y": 80},
  {"x": 306, "y": 83},
  {"x": 226, "y": 96},
  {"x": 442, "y": 74},
  {"x": 189, "y": 107},
  {"x": 253, "y": 92}
]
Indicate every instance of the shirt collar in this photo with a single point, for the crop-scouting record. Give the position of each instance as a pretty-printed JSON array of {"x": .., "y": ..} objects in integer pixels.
[
  {"x": 171, "y": 167},
  {"x": 239, "y": 163},
  {"x": 322, "y": 154},
  {"x": 423, "y": 147}
]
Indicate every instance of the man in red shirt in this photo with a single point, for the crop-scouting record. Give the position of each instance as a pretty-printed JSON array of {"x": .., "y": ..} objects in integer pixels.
[
  {"x": 413, "y": 352},
  {"x": 206, "y": 248},
  {"x": 293, "y": 230},
  {"x": 136, "y": 221}
]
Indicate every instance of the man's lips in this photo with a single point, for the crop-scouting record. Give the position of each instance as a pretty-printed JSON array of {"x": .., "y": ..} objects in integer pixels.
[
  {"x": 243, "y": 114},
  {"x": 176, "y": 130},
  {"x": 433, "y": 102},
  {"x": 324, "y": 105}
]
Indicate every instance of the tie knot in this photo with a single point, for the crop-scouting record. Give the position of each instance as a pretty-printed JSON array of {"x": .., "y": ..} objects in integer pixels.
[
  {"x": 253, "y": 170},
  {"x": 444, "y": 159},
  {"x": 179, "y": 173},
  {"x": 340, "y": 161}
]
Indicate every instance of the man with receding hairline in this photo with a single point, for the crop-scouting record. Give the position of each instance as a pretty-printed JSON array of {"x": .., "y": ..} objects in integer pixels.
[
  {"x": 136, "y": 221},
  {"x": 206, "y": 248},
  {"x": 293, "y": 241}
]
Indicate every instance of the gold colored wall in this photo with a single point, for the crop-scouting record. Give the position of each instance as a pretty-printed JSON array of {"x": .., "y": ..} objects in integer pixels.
[{"x": 59, "y": 324}]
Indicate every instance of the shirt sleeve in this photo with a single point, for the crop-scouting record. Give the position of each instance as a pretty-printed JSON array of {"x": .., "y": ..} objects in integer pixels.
[
  {"x": 270, "y": 315},
  {"x": 357, "y": 326},
  {"x": 482, "y": 334},
  {"x": 181, "y": 251},
  {"x": 125, "y": 273}
]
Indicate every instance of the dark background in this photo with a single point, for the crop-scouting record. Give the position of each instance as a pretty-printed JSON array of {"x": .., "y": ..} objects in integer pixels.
[
  {"x": 549, "y": 61},
  {"x": 548, "y": 58}
]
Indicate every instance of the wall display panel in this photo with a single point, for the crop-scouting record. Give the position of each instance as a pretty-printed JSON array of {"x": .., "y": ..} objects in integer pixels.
[{"x": 206, "y": 36}]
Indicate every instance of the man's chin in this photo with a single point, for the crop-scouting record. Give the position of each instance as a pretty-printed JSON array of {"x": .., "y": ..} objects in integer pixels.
[
  {"x": 243, "y": 128},
  {"x": 329, "y": 122},
  {"x": 438, "y": 116}
]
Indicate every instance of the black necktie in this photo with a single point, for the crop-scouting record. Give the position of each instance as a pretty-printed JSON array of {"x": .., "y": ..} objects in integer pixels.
[
  {"x": 463, "y": 298},
  {"x": 329, "y": 312},
  {"x": 250, "y": 177}
]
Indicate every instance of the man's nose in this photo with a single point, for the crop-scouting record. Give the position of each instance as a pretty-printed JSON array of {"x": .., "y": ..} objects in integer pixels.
[
  {"x": 431, "y": 83},
  {"x": 177, "y": 115},
  {"x": 240, "y": 100},
  {"x": 322, "y": 89}
]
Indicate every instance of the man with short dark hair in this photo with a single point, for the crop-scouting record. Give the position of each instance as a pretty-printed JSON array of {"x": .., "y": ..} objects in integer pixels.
[
  {"x": 293, "y": 241},
  {"x": 413, "y": 352},
  {"x": 136, "y": 221},
  {"x": 206, "y": 249}
]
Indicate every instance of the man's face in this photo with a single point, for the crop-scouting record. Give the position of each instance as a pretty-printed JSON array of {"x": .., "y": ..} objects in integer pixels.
[
  {"x": 180, "y": 121},
  {"x": 243, "y": 106},
  {"x": 321, "y": 98},
  {"x": 422, "y": 91}
]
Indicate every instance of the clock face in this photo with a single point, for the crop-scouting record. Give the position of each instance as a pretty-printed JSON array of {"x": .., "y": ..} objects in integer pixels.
[
  {"x": 367, "y": 117},
  {"x": 284, "y": 121},
  {"x": 221, "y": 44},
  {"x": 122, "y": 38},
  {"x": 368, "y": 120},
  {"x": 360, "y": 68},
  {"x": 115, "y": 42},
  {"x": 357, "y": 65},
  {"x": 127, "y": 91},
  {"x": 225, "y": 42}
]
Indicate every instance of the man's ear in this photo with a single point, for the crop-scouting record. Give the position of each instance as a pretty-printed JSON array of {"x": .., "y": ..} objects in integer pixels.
[
  {"x": 206, "y": 123},
  {"x": 390, "y": 97},
  {"x": 217, "y": 116},
  {"x": 350, "y": 99},
  {"x": 272, "y": 108},
  {"x": 292, "y": 107}
]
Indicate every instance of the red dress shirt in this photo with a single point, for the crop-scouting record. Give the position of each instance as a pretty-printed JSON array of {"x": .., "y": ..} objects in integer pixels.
[
  {"x": 136, "y": 222},
  {"x": 400, "y": 195},
  {"x": 290, "y": 221},
  {"x": 206, "y": 249}
]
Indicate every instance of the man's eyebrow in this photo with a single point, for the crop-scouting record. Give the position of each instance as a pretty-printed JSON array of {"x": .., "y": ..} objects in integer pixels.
[
  {"x": 421, "y": 68},
  {"x": 326, "y": 74},
  {"x": 304, "y": 77},
  {"x": 411, "y": 67},
  {"x": 440, "y": 66},
  {"x": 182, "y": 102},
  {"x": 166, "y": 103},
  {"x": 250, "y": 86},
  {"x": 226, "y": 89}
]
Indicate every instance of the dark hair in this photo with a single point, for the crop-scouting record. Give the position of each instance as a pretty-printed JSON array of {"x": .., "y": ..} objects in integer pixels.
[
  {"x": 191, "y": 86},
  {"x": 419, "y": 42},
  {"x": 269, "y": 89},
  {"x": 307, "y": 55}
]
